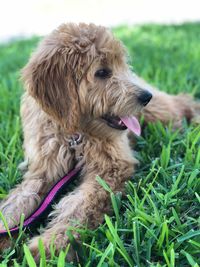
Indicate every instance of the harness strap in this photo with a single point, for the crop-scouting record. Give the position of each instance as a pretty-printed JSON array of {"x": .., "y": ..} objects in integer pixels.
[{"x": 47, "y": 201}]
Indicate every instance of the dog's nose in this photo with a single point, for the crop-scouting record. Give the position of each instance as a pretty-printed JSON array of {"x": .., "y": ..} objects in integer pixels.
[{"x": 144, "y": 97}]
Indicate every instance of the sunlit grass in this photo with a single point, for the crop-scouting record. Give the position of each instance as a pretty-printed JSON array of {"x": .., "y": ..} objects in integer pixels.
[{"x": 157, "y": 222}]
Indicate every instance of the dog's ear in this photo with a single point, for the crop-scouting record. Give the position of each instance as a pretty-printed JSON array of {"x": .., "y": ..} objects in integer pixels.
[{"x": 49, "y": 78}]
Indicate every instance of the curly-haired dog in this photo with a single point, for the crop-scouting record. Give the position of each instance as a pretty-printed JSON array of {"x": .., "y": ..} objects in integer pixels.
[{"x": 78, "y": 81}]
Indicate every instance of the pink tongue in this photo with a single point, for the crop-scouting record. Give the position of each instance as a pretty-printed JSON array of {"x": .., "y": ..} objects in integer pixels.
[{"x": 132, "y": 124}]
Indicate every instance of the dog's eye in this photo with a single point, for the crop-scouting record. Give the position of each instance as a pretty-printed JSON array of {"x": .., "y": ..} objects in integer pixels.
[{"x": 103, "y": 73}]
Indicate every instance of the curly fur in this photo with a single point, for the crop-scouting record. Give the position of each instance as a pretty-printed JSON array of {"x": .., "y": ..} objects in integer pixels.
[{"x": 63, "y": 97}]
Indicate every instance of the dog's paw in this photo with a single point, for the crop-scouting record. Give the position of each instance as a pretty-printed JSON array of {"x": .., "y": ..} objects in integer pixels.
[
  {"x": 34, "y": 249},
  {"x": 10, "y": 212}
]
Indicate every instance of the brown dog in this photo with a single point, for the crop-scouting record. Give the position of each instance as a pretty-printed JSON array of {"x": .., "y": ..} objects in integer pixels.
[{"x": 78, "y": 81}]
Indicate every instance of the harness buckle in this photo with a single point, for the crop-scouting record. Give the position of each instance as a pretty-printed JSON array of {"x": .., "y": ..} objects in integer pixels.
[{"x": 75, "y": 140}]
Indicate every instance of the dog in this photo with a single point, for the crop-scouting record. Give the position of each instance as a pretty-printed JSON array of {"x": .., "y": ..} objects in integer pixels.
[{"x": 78, "y": 81}]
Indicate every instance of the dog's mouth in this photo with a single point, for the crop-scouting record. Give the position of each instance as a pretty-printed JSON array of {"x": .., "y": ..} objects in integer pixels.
[
  {"x": 114, "y": 122},
  {"x": 122, "y": 123}
]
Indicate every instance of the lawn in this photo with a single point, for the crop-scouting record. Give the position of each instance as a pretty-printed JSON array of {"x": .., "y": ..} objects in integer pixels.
[{"x": 157, "y": 222}]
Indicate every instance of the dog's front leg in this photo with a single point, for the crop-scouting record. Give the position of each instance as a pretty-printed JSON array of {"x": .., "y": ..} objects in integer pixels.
[
  {"x": 22, "y": 200},
  {"x": 86, "y": 205},
  {"x": 41, "y": 175}
]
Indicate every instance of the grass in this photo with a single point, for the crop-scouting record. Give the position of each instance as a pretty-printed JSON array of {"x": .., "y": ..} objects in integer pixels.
[{"x": 157, "y": 222}]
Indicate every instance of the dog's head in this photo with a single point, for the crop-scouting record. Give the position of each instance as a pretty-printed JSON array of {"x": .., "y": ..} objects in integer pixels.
[{"x": 79, "y": 75}]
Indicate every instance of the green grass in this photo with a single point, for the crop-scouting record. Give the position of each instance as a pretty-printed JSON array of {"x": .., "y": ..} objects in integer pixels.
[{"x": 157, "y": 222}]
